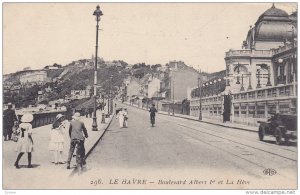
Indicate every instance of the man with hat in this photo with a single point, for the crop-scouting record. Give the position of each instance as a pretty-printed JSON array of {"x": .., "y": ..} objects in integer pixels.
[
  {"x": 77, "y": 133},
  {"x": 9, "y": 118}
]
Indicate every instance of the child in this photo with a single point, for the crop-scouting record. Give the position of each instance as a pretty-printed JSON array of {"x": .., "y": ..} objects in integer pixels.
[
  {"x": 15, "y": 134},
  {"x": 57, "y": 141},
  {"x": 25, "y": 141}
]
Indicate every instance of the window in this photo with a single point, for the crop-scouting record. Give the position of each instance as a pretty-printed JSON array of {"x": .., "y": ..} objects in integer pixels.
[
  {"x": 251, "y": 109},
  {"x": 244, "y": 109},
  {"x": 260, "y": 111},
  {"x": 236, "y": 110},
  {"x": 271, "y": 108},
  {"x": 284, "y": 108}
]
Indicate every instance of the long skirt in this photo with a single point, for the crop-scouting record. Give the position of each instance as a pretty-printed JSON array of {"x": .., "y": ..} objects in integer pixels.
[{"x": 56, "y": 146}]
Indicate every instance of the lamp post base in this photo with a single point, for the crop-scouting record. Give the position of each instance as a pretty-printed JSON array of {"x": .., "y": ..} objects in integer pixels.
[
  {"x": 200, "y": 116},
  {"x": 94, "y": 125}
]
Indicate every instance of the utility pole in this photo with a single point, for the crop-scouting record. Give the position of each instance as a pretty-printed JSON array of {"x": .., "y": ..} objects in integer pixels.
[
  {"x": 173, "y": 97},
  {"x": 157, "y": 98},
  {"x": 200, "y": 94}
]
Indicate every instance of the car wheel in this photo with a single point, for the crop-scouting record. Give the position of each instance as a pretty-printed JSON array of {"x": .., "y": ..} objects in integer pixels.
[
  {"x": 261, "y": 133},
  {"x": 279, "y": 139}
]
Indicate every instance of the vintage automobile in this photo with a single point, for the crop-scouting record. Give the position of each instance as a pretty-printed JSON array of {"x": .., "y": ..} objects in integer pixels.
[{"x": 282, "y": 126}]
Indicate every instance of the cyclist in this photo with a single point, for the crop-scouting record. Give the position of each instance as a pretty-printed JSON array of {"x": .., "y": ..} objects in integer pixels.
[{"x": 152, "y": 114}]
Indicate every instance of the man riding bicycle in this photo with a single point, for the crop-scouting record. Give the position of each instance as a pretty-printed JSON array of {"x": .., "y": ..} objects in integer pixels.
[{"x": 152, "y": 114}]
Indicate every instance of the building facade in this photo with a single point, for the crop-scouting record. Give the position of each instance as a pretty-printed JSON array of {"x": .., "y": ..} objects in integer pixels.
[
  {"x": 261, "y": 78},
  {"x": 177, "y": 80}
]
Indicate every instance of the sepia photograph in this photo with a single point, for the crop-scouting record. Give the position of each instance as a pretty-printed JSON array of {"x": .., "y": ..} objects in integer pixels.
[{"x": 150, "y": 96}]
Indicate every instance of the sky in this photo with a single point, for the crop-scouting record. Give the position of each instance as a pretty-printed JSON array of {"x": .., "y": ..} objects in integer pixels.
[{"x": 40, "y": 34}]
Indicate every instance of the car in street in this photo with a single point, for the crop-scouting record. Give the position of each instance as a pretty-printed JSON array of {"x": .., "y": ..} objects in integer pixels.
[{"x": 281, "y": 126}]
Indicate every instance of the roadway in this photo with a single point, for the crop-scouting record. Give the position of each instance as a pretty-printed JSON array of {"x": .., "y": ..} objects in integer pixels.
[{"x": 179, "y": 149}]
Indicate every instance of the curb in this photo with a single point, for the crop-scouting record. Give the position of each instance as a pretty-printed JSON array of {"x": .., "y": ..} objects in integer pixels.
[
  {"x": 95, "y": 144},
  {"x": 211, "y": 123},
  {"x": 240, "y": 128}
]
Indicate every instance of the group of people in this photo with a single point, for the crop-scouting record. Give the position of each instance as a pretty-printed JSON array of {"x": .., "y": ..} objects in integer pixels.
[
  {"x": 25, "y": 142},
  {"x": 122, "y": 116}
]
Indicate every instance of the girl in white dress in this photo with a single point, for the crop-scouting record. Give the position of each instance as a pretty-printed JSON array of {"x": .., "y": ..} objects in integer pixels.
[
  {"x": 25, "y": 141},
  {"x": 57, "y": 140}
]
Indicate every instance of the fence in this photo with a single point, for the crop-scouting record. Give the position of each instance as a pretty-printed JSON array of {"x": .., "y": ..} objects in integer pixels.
[{"x": 41, "y": 119}]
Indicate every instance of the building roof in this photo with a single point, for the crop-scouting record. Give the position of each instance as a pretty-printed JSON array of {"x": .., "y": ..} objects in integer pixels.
[
  {"x": 275, "y": 12},
  {"x": 274, "y": 25}
]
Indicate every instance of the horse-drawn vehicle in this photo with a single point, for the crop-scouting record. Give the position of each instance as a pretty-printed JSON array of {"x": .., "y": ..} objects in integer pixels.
[{"x": 282, "y": 126}]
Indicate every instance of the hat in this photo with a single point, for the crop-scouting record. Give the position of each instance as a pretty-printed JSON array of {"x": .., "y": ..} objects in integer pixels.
[
  {"x": 9, "y": 104},
  {"x": 27, "y": 118},
  {"x": 76, "y": 116},
  {"x": 59, "y": 116}
]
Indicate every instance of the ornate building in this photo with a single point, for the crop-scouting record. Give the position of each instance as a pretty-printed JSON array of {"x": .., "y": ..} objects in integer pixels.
[{"x": 261, "y": 78}]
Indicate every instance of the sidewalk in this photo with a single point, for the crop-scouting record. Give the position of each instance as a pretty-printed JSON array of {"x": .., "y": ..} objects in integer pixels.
[
  {"x": 206, "y": 120},
  {"x": 44, "y": 170}
]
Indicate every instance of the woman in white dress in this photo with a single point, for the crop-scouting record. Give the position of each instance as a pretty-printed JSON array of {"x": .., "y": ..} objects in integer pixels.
[
  {"x": 120, "y": 116},
  {"x": 25, "y": 141},
  {"x": 57, "y": 140}
]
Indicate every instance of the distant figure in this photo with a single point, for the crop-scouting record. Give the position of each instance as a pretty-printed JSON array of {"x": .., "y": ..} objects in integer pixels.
[
  {"x": 120, "y": 116},
  {"x": 57, "y": 139},
  {"x": 91, "y": 112},
  {"x": 86, "y": 112},
  {"x": 125, "y": 113},
  {"x": 152, "y": 114},
  {"x": 9, "y": 117},
  {"x": 25, "y": 141},
  {"x": 77, "y": 133},
  {"x": 223, "y": 116}
]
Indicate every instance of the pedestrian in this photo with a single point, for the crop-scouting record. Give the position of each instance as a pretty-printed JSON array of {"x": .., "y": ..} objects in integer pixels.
[
  {"x": 224, "y": 115},
  {"x": 25, "y": 141},
  {"x": 77, "y": 133},
  {"x": 120, "y": 116},
  {"x": 9, "y": 117},
  {"x": 90, "y": 112},
  {"x": 152, "y": 111},
  {"x": 57, "y": 141},
  {"x": 125, "y": 113},
  {"x": 15, "y": 131},
  {"x": 86, "y": 112}
]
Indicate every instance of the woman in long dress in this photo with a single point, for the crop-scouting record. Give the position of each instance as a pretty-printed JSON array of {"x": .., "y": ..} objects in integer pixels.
[
  {"x": 25, "y": 141},
  {"x": 120, "y": 116},
  {"x": 57, "y": 140}
]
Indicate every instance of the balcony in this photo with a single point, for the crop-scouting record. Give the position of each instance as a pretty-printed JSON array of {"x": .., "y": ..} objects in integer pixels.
[{"x": 249, "y": 53}]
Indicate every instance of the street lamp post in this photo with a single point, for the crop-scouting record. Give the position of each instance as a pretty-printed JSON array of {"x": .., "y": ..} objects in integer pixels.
[
  {"x": 110, "y": 95},
  {"x": 96, "y": 13}
]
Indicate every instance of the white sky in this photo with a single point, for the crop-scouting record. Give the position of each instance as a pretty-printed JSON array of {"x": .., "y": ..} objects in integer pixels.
[{"x": 40, "y": 34}]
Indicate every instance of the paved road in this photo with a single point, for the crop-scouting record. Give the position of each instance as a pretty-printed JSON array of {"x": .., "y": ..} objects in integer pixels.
[{"x": 178, "y": 149}]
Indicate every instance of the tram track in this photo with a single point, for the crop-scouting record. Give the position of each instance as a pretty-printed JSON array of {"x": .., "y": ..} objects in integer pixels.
[
  {"x": 207, "y": 126},
  {"x": 236, "y": 142}
]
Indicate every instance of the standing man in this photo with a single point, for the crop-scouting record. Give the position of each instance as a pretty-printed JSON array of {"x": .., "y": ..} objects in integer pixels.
[
  {"x": 152, "y": 114},
  {"x": 9, "y": 118},
  {"x": 77, "y": 133}
]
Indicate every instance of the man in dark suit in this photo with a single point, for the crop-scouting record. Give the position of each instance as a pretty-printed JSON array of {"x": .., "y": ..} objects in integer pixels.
[
  {"x": 9, "y": 118},
  {"x": 77, "y": 133}
]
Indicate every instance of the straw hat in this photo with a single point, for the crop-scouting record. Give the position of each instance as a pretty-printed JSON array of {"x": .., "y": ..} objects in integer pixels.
[
  {"x": 59, "y": 116},
  {"x": 27, "y": 118},
  {"x": 76, "y": 116}
]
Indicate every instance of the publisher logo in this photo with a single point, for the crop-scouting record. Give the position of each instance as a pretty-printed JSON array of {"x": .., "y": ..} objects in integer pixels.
[{"x": 270, "y": 172}]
